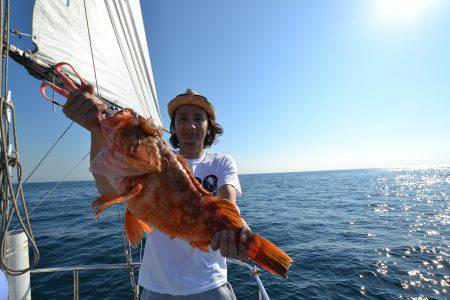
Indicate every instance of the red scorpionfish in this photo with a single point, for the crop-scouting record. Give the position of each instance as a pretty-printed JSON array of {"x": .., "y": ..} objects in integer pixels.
[{"x": 159, "y": 191}]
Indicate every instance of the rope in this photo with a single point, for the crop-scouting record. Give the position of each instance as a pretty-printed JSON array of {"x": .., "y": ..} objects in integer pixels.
[
  {"x": 48, "y": 152},
  {"x": 10, "y": 198}
]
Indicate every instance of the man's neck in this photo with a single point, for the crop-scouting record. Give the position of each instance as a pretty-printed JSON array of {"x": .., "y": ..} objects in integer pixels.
[{"x": 190, "y": 152}]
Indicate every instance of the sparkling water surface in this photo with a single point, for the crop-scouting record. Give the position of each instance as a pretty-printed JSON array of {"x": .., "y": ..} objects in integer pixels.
[{"x": 356, "y": 234}]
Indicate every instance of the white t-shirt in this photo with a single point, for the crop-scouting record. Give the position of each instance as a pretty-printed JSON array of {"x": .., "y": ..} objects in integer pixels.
[{"x": 172, "y": 266}]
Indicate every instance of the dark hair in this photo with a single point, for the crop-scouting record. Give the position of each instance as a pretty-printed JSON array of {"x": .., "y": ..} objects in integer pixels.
[{"x": 214, "y": 130}]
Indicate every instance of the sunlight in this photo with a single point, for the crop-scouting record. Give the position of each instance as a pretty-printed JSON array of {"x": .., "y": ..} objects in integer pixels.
[{"x": 403, "y": 10}]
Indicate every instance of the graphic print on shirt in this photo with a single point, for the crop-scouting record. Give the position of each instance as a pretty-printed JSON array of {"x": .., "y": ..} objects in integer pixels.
[{"x": 209, "y": 183}]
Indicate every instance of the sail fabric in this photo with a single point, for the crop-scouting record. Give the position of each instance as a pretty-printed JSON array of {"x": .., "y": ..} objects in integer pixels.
[{"x": 104, "y": 40}]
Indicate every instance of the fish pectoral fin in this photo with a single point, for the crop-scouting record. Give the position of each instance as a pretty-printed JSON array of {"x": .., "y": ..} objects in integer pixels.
[
  {"x": 103, "y": 202},
  {"x": 230, "y": 211},
  {"x": 200, "y": 245},
  {"x": 134, "y": 228}
]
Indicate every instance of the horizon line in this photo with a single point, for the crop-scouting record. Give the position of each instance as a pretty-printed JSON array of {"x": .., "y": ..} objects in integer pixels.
[{"x": 300, "y": 171}]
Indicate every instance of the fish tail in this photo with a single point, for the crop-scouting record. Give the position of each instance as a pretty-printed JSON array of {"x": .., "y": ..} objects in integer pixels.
[
  {"x": 103, "y": 202},
  {"x": 268, "y": 256},
  {"x": 135, "y": 228}
]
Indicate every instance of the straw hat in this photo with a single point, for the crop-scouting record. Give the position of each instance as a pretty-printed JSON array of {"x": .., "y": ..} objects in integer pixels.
[{"x": 190, "y": 97}]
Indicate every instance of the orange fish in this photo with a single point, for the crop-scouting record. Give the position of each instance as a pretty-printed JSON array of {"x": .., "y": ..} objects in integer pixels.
[{"x": 159, "y": 191}]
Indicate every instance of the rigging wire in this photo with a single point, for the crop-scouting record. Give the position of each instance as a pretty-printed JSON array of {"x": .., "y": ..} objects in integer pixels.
[
  {"x": 61, "y": 180},
  {"x": 48, "y": 152},
  {"x": 90, "y": 45}
]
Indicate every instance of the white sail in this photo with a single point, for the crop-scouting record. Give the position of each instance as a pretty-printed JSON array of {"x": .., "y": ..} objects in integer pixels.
[{"x": 115, "y": 47}]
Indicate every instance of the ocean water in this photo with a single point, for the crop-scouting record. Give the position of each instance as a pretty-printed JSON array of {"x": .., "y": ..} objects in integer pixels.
[{"x": 357, "y": 234}]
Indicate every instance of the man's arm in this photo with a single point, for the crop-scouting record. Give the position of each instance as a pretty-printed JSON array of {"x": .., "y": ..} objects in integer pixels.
[
  {"x": 103, "y": 185},
  {"x": 225, "y": 240},
  {"x": 84, "y": 108}
]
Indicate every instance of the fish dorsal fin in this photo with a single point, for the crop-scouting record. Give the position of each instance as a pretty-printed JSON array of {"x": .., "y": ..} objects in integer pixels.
[
  {"x": 228, "y": 209},
  {"x": 191, "y": 176}
]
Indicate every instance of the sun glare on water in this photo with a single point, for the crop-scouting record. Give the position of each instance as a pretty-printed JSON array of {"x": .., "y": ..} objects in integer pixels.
[{"x": 403, "y": 10}]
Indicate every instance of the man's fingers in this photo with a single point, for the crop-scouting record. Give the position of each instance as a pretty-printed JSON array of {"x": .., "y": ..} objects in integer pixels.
[
  {"x": 242, "y": 253},
  {"x": 245, "y": 234},
  {"x": 101, "y": 107},
  {"x": 224, "y": 243},
  {"x": 95, "y": 112},
  {"x": 71, "y": 99},
  {"x": 215, "y": 241},
  {"x": 85, "y": 108},
  {"x": 89, "y": 88},
  {"x": 78, "y": 101},
  {"x": 92, "y": 108},
  {"x": 86, "y": 94},
  {"x": 232, "y": 247}
]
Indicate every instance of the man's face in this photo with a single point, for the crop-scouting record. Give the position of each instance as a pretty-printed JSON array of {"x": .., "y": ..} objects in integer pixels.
[{"x": 191, "y": 125}]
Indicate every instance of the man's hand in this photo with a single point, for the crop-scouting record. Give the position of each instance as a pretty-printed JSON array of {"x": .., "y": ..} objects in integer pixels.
[
  {"x": 84, "y": 108},
  {"x": 225, "y": 240},
  {"x": 229, "y": 245}
]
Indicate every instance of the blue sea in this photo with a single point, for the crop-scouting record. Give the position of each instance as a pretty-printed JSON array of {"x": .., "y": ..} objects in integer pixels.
[{"x": 356, "y": 234}]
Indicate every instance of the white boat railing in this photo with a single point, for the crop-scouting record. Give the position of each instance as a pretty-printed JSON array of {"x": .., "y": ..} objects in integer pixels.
[{"x": 254, "y": 272}]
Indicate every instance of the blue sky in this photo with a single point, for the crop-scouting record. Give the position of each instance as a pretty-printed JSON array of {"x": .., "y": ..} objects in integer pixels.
[{"x": 297, "y": 85}]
